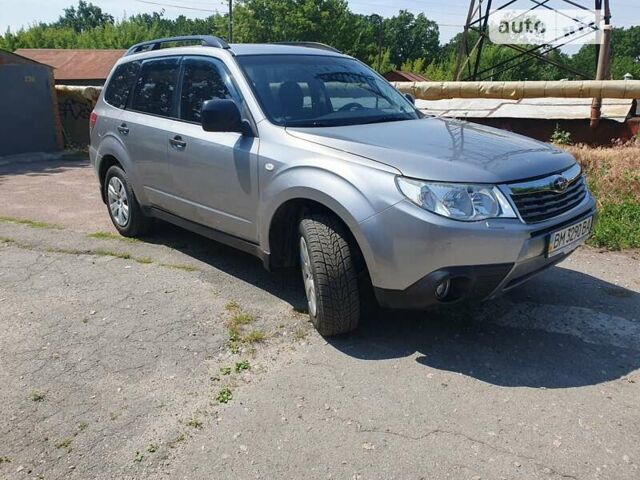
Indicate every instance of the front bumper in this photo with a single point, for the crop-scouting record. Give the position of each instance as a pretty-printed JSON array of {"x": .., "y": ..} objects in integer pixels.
[{"x": 411, "y": 251}]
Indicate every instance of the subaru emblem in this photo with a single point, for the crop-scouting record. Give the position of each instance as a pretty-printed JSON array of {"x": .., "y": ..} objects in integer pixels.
[{"x": 560, "y": 184}]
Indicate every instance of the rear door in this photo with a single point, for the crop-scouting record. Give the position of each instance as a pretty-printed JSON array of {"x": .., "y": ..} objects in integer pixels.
[
  {"x": 144, "y": 126},
  {"x": 214, "y": 174}
]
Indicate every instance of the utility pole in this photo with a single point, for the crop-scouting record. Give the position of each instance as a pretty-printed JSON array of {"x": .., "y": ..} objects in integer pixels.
[
  {"x": 377, "y": 20},
  {"x": 230, "y": 21},
  {"x": 604, "y": 57}
]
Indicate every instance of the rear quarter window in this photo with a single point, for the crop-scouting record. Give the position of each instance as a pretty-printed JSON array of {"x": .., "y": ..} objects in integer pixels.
[{"x": 121, "y": 83}]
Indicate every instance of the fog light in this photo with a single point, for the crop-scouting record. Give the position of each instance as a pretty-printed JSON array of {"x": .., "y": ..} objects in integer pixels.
[{"x": 442, "y": 290}]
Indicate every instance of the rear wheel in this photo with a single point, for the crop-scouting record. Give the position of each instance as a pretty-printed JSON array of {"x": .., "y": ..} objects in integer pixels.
[
  {"x": 329, "y": 274},
  {"x": 124, "y": 209}
]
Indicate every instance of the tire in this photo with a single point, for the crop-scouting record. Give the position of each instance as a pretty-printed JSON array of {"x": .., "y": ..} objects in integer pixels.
[
  {"x": 122, "y": 205},
  {"x": 326, "y": 258}
]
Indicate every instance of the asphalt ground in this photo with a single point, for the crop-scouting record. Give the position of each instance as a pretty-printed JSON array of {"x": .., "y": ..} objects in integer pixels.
[{"x": 177, "y": 357}]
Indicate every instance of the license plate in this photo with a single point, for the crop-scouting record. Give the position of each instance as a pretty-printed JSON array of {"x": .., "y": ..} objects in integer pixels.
[{"x": 569, "y": 237}]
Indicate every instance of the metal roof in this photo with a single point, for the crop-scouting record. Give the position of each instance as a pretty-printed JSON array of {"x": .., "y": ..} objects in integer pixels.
[
  {"x": 75, "y": 64},
  {"x": 551, "y": 108},
  {"x": 402, "y": 76}
]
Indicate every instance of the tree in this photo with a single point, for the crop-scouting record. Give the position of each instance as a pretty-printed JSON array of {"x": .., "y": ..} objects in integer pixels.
[
  {"x": 87, "y": 16},
  {"x": 410, "y": 37}
]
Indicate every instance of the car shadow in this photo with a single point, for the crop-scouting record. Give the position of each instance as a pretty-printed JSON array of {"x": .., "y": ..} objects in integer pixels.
[
  {"x": 562, "y": 329},
  {"x": 284, "y": 284},
  {"x": 522, "y": 339}
]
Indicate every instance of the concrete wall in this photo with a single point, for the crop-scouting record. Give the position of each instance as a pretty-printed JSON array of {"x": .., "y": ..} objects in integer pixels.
[{"x": 75, "y": 104}]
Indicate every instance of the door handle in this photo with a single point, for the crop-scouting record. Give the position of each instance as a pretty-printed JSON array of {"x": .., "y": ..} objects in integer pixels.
[
  {"x": 123, "y": 129},
  {"x": 178, "y": 143}
]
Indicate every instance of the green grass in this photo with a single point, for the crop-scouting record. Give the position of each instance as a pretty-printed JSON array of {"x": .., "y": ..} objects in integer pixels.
[
  {"x": 30, "y": 223},
  {"x": 618, "y": 226}
]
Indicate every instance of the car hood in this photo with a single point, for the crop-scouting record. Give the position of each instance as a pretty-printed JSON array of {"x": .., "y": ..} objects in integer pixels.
[{"x": 444, "y": 150}]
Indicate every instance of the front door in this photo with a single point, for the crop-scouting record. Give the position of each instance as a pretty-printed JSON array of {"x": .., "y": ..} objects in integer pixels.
[{"x": 213, "y": 174}]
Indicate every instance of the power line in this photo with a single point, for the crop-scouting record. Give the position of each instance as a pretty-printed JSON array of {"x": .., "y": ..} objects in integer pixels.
[{"x": 183, "y": 7}]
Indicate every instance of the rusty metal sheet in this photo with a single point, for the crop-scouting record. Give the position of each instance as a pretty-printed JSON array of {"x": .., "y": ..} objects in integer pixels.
[{"x": 75, "y": 64}]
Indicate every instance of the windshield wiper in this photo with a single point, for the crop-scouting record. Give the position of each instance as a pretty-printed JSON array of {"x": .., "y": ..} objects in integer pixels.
[{"x": 394, "y": 118}]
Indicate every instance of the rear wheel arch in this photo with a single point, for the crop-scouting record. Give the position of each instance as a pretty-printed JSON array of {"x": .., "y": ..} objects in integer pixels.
[{"x": 106, "y": 163}]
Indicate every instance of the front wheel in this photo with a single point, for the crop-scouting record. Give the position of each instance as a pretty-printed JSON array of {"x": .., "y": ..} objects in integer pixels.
[{"x": 329, "y": 274}]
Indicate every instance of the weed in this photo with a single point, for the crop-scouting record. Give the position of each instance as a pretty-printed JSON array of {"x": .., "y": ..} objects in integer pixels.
[
  {"x": 180, "y": 266},
  {"x": 111, "y": 236},
  {"x": 37, "y": 396},
  {"x": 254, "y": 336},
  {"x": 242, "y": 319},
  {"x": 31, "y": 223},
  {"x": 114, "y": 415},
  {"x": 194, "y": 423},
  {"x": 139, "y": 457},
  {"x": 561, "y": 137},
  {"x": 243, "y": 365},
  {"x": 225, "y": 395},
  {"x": 176, "y": 441},
  {"x": 4, "y": 460},
  {"x": 66, "y": 444},
  {"x": 232, "y": 306},
  {"x": 300, "y": 334},
  {"x": 144, "y": 260},
  {"x": 152, "y": 448},
  {"x": 85, "y": 320},
  {"x": 110, "y": 253},
  {"x": 234, "y": 346},
  {"x": 225, "y": 370},
  {"x": 82, "y": 426}
]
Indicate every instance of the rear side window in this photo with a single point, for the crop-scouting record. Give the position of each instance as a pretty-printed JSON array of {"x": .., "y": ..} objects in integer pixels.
[
  {"x": 203, "y": 80},
  {"x": 156, "y": 87},
  {"x": 120, "y": 85}
]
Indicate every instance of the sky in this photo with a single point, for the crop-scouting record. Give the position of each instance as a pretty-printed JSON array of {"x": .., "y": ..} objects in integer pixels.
[{"x": 449, "y": 14}]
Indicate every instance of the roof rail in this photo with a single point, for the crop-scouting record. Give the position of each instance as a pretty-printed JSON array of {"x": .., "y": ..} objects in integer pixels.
[
  {"x": 206, "y": 40},
  {"x": 318, "y": 45}
]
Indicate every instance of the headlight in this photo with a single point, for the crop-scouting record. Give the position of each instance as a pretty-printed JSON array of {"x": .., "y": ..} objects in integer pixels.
[{"x": 457, "y": 201}]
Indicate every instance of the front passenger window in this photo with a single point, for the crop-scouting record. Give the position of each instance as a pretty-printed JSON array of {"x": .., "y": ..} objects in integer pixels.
[{"x": 202, "y": 81}]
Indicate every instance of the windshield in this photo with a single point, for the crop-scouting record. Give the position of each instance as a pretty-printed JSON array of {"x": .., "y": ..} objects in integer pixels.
[{"x": 322, "y": 91}]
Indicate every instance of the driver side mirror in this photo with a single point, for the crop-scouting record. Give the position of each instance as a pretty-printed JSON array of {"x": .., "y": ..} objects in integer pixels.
[
  {"x": 223, "y": 115},
  {"x": 411, "y": 98}
]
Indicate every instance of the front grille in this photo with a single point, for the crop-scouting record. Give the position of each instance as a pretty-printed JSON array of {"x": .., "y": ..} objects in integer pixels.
[{"x": 542, "y": 203}]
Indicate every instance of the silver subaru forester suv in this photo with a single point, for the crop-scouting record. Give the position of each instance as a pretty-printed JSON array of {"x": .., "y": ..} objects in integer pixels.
[{"x": 304, "y": 156}]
